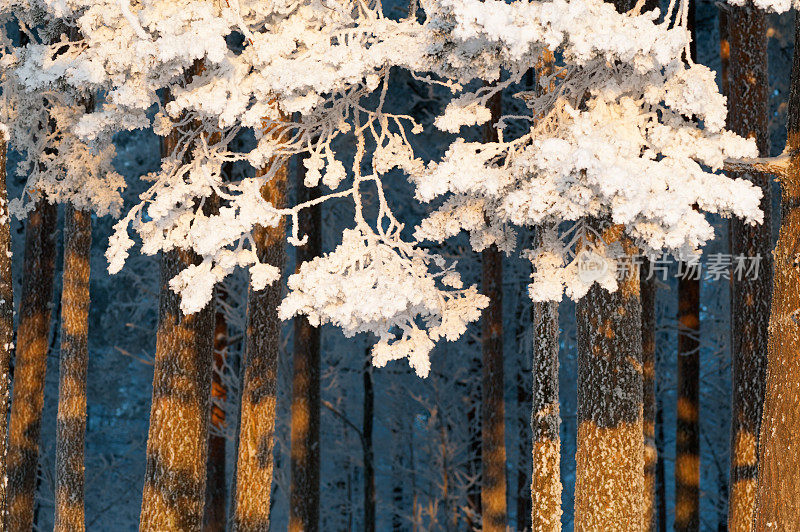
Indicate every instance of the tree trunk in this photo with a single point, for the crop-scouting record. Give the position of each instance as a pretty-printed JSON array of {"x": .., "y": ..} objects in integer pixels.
[
  {"x": 687, "y": 435},
  {"x": 177, "y": 441},
  {"x": 778, "y": 493},
  {"x": 257, "y": 421},
  {"x": 33, "y": 338},
  {"x": 6, "y": 332},
  {"x": 369, "y": 451},
  {"x": 610, "y": 456},
  {"x": 545, "y": 420},
  {"x": 214, "y": 519},
  {"x": 493, "y": 447},
  {"x": 71, "y": 423},
  {"x": 747, "y": 116},
  {"x": 687, "y": 432},
  {"x": 304, "y": 511},
  {"x": 648, "y": 296}
]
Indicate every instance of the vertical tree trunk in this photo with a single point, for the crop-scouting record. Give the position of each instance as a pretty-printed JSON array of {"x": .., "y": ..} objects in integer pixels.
[
  {"x": 648, "y": 296},
  {"x": 6, "y": 331},
  {"x": 259, "y": 392},
  {"x": 493, "y": 447},
  {"x": 33, "y": 337},
  {"x": 177, "y": 441},
  {"x": 778, "y": 493},
  {"x": 610, "y": 457},
  {"x": 304, "y": 511},
  {"x": 687, "y": 436},
  {"x": 369, "y": 450},
  {"x": 687, "y": 433},
  {"x": 545, "y": 420},
  {"x": 71, "y": 422},
  {"x": 747, "y": 116},
  {"x": 214, "y": 519},
  {"x": 523, "y": 493}
]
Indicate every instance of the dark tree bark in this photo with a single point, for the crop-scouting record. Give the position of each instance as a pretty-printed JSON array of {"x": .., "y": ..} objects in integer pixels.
[
  {"x": 259, "y": 392},
  {"x": 648, "y": 296},
  {"x": 610, "y": 455},
  {"x": 687, "y": 434},
  {"x": 778, "y": 492},
  {"x": 71, "y": 422},
  {"x": 750, "y": 297},
  {"x": 493, "y": 449},
  {"x": 304, "y": 511},
  {"x": 214, "y": 519},
  {"x": 33, "y": 337},
  {"x": 369, "y": 450},
  {"x": 6, "y": 332}
]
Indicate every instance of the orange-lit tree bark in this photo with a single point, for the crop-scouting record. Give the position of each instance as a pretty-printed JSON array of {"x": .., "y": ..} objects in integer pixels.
[
  {"x": 214, "y": 519},
  {"x": 71, "y": 420},
  {"x": 687, "y": 432},
  {"x": 778, "y": 492},
  {"x": 647, "y": 289},
  {"x": 177, "y": 441},
  {"x": 259, "y": 390},
  {"x": 6, "y": 330},
  {"x": 493, "y": 449},
  {"x": 304, "y": 510},
  {"x": 610, "y": 454},
  {"x": 33, "y": 335},
  {"x": 174, "y": 491},
  {"x": 750, "y": 294}
]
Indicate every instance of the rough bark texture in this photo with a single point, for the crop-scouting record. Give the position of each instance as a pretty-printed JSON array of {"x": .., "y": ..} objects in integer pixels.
[
  {"x": 778, "y": 493},
  {"x": 493, "y": 449},
  {"x": 750, "y": 295},
  {"x": 177, "y": 441},
  {"x": 648, "y": 295},
  {"x": 545, "y": 421},
  {"x": 304, "y": 510},
  {"x": 6, "y": 332},
  {"x": 71, "y": 421},
  {"x": 214, "y": 519},
  {"x": 257, "y": 420},
  {"x": 33, "y": 335},
  {"x": 610, "y": 452}
]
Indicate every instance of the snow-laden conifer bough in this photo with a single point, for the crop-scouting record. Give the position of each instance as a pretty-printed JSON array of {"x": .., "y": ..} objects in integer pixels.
[{"x": 633, "y": 131}]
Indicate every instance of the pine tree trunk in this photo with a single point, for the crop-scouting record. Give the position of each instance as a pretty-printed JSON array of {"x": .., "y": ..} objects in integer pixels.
[
  {"x": 259, "y": 392},
  {"x": 687, "y": 436},
  {"x": 747, "y": 116},
  {"x": 369, "y": 450},
  {"x": 493, "y": 447},
  {"x": 687, "y": 432},
  {"x": 6, "y": 332},
  {"x": 33, "y": 338},
  {"x": 174, "y": 491},
  {"x": 778, "y": 492},
  {"x": 648, "y": 296},
  {"x": 304, "y": 511},
  {"x": 610, "y": 456},
  {"x": 214, "y": 519},
  {"x": 177, "y": 441},
  {"x": 71, "y": 423},
  {"x": 545, "y": 420}
]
